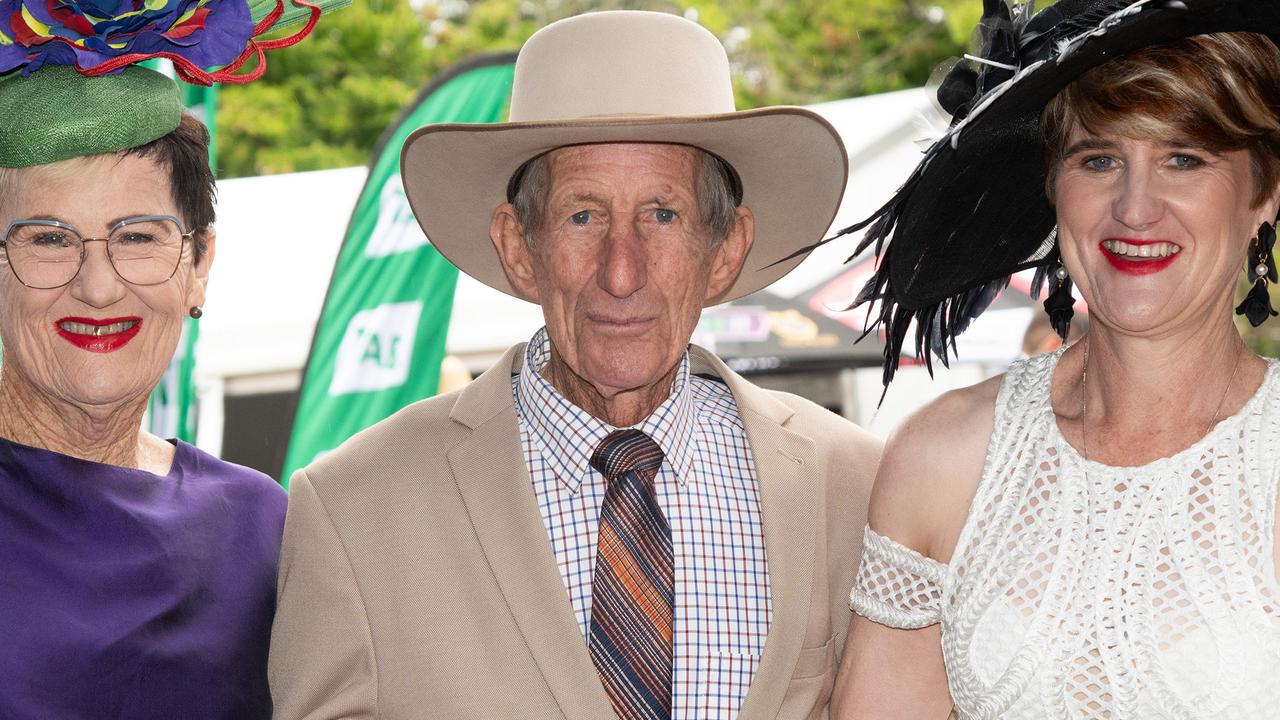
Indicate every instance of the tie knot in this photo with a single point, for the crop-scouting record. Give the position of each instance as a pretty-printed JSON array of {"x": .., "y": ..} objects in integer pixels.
[{"x": 625, "y": 450}]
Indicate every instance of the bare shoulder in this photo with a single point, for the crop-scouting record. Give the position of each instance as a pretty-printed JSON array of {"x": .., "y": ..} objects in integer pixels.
[{"x": 931, "y": 468}]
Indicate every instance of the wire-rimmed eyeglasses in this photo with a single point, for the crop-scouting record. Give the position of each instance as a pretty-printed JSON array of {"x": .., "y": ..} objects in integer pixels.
[{"x": 143, "y": 250}]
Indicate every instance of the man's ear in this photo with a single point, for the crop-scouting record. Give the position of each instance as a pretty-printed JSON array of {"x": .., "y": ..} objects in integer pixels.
[
  {"x": 507, "y": 235},
  {"x": 727, "y": 258},
  {"x": 200, "y": 271}
]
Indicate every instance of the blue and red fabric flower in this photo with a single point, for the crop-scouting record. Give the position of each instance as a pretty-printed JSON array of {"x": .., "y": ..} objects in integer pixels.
[{"x": 102, "y": 36}]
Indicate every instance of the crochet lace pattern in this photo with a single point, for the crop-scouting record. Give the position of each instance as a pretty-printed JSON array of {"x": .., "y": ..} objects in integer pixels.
[{"x": 1085, "y": 591}]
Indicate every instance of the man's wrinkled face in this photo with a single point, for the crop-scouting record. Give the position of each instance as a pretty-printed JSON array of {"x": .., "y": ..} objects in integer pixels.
[{"x": 623, "y": 263}]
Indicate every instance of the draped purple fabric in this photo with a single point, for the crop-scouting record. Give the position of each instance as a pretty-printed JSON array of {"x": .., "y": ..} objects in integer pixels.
[{"x": 125, "y": 594}]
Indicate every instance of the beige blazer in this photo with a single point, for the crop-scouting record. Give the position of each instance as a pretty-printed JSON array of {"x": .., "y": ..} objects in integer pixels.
[{"x": 417, "y": 580}]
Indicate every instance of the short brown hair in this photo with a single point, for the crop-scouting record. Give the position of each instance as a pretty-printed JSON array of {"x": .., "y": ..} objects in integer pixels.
[
  {"x": 1221, "y": 91},
  {"x": 185, "y": 153}
]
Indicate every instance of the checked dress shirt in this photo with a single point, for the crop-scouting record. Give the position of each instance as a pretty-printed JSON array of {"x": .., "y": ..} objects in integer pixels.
[{"x": 708, "y": 492}]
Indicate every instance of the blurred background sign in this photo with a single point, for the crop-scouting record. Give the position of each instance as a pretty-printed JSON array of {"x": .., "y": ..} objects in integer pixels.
[{"x": 380, "y": 338}]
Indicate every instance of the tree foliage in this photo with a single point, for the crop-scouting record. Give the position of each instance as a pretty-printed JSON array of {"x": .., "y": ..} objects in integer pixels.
[{"x": 324, "y": 102}]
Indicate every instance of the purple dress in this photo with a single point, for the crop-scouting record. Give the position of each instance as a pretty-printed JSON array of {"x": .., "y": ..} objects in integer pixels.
[{"x": 125, "y": 594}]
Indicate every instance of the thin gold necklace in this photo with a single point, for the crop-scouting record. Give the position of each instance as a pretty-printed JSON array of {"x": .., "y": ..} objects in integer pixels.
[{"x": 1084, "y": 400}]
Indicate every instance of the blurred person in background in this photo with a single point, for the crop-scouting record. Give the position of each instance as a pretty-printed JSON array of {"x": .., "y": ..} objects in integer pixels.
[
  {"x": 138, "y": 573},
  {"x": 1041, "y": 338},
  {"x": 1093, "y": 534}
]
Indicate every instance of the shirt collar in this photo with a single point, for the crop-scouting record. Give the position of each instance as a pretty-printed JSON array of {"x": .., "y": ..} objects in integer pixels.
[{"x": 566, "y": 435}]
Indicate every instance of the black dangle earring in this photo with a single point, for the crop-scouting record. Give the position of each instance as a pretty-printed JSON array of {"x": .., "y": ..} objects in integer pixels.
[
  {"x": 1262, "y": 270},
  {"x": 1060, "y": 304}
]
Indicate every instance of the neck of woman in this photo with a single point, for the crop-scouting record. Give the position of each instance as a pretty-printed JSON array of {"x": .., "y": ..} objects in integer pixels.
[
  {"x": 110, "y": 434},
  {"x": 1126, "y": 370},
  {"x": 1143, "y": 398}
]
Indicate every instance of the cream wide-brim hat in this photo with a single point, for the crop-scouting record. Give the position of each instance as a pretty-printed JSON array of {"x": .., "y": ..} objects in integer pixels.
[{"x": 628, "y": 76}]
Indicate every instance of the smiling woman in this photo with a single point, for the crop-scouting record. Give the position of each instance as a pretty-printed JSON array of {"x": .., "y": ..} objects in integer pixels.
[
  {"x": 94, "y": 322},
  {"x": 1091, "y": 535},
  {"x": 139, "y": 572},
  {"x": 100, "y": 272}
]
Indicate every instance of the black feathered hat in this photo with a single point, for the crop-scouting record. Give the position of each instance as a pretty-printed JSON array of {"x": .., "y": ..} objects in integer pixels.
[{"x": 974, "y": 210}]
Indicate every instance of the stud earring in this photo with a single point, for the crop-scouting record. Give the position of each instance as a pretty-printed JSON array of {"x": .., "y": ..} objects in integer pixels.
[
  {"x": 1060, "y": 305},
  {"x": 1261, "y": 270},
  {"x": 195, "y": 312}
]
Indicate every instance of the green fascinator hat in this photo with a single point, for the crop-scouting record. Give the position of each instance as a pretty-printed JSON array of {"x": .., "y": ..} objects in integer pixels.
[
  {"x": 64, "y": 114},
  {"x": 70, "y": 83}
]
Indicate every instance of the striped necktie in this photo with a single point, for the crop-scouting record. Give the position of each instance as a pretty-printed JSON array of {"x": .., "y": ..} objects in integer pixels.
[{"x": 633, "y": 589}]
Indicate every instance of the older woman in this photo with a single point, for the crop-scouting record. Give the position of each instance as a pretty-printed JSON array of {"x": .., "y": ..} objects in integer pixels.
[
  {"x": 1093, "y": 534},
  {"x": 137, "y": 574}
]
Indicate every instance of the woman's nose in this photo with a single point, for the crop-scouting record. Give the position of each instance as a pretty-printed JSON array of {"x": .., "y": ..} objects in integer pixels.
[
  {"x": 1139, "y": 203},
  {"x": 97, "y": 283}
]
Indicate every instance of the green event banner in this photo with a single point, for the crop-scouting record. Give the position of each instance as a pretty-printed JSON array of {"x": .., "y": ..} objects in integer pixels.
[
  {"x": 172, "y": 410},
  {"x": 381, "y": 335}
]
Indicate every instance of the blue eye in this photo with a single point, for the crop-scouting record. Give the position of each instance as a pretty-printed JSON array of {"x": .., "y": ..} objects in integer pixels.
[
  {"x": 1185, "y": 161},
  {"x": 580, "y": 218},
  {"x": 1101, "y": 162},
  {"x": 664, "y": 215}
]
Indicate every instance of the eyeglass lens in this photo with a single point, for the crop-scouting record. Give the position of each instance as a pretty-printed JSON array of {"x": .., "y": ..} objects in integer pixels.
[{"x": 144, "y": 252}]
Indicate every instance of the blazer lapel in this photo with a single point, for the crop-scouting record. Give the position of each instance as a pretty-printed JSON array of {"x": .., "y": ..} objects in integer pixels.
[
  {"x": 786, "y": 470},
  {"x": 493, "y": 479}
]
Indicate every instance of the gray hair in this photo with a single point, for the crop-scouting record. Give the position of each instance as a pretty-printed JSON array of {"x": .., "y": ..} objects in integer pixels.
[{"x": 713, "y": 188}]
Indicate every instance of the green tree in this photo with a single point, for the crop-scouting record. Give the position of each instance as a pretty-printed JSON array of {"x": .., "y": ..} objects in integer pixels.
[
  {"x": 324, "y": 102},
  {"x": 807, "y": 51}
]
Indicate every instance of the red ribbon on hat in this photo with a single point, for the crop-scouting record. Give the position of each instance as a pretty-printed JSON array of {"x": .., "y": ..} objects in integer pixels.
[{"x": 195, "y": 75}]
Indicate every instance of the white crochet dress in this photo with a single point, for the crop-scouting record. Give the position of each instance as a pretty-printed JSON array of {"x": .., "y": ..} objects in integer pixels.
[{"x": 1081, "y": 590}]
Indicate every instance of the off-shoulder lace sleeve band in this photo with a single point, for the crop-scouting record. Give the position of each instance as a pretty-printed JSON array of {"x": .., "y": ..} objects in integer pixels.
[{"x": 897, "y": 586}]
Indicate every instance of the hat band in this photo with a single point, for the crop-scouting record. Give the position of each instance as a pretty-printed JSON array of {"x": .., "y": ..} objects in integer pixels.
[{"x": 730, "y": 175}]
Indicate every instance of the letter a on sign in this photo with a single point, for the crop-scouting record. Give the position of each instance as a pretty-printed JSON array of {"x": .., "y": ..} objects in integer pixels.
[
  {"x": 381, "y": 335},
  {"x": 397, "y": 230},
  {"x": 376, "y": 349}
]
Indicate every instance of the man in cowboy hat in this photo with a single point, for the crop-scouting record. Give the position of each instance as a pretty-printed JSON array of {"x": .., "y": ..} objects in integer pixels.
[{"x": 609, "y": 521}]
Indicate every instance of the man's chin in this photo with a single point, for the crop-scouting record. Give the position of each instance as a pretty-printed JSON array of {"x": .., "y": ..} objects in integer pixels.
[
  {"x": 623, "y": 369},
  {"x": 609, "y": 380}
]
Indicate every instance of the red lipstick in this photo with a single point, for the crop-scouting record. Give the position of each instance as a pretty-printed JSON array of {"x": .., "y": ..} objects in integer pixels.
[
  {"x": 1137, "y": 265},
  {"x": 91, "y": 334}
]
